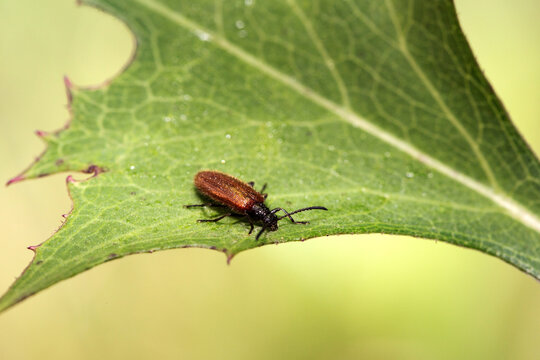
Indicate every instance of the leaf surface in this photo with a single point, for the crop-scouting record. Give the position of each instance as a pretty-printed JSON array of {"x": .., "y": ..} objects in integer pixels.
[{"x": 376, "y": 110}]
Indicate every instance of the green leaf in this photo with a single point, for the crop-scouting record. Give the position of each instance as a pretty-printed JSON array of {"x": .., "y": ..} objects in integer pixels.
[{"x": 374, "y": 109}]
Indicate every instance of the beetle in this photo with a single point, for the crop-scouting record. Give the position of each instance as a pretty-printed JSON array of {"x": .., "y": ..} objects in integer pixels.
[{"x": 241, "y": 199}]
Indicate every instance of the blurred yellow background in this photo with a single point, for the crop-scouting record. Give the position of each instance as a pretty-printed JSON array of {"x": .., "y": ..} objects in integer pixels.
[{"x": 346, "y": 297}]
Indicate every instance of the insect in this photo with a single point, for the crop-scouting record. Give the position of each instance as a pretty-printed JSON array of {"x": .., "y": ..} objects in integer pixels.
[{"x": 241, "y": 199}]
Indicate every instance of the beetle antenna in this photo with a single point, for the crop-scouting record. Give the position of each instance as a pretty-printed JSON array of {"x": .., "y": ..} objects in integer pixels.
[{"x": 300, "y": 210}]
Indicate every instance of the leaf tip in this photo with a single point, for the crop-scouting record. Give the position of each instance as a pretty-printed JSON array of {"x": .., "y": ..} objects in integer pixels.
[
  {"x": 41, "y": 133},
  {"x": 229, "y": 257},
  {"x": 44, "y": 135},
  {"x": 33, "y": 247},
  {"x": 69, "y": 87},
  {"x": 15, "y": 180},
  {"x": 67, "y": 82}
]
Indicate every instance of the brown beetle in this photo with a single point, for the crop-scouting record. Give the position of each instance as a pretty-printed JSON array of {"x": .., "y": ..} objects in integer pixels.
[{"x": 241, "y": 199}]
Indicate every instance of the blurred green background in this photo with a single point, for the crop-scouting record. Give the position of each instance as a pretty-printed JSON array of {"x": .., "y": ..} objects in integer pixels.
[{"x": 346, "y": 297}]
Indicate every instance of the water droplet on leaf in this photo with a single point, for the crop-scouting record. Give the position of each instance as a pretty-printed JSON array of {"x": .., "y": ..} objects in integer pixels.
[
  {"x": 240, "y": 24},
  {"x": 203, "y": 35}
]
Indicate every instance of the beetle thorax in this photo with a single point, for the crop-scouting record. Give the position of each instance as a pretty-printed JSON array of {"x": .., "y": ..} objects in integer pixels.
[{"x": 262, "y": 213}]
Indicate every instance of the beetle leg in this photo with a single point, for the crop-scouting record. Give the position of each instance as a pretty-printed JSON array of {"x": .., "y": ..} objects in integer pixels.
[
  {"x": 262, "y": 192},
  {"x": 259, "y": 234},
  {"x": 250, "y": 224},
  {"x": 252, "y": 184},
  {"x": 216, "y": 219}
]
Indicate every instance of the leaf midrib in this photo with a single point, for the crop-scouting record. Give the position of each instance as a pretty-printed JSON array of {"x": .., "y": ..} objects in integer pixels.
[{"x": 512, "y": 208}]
